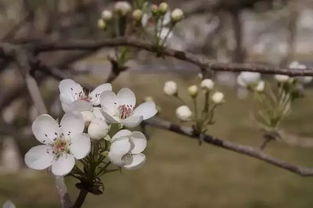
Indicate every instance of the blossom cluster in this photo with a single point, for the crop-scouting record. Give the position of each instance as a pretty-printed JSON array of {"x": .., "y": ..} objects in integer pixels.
[
  {"x": 90, "y": 119},
  {"x": 200, "y": 117}
]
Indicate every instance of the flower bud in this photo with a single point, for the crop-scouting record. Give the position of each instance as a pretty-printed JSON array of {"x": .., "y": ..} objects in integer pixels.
[
  {"x": 98, "y": 129},
  {"x": 218, "y": 97},
  {"x": 281, "y": 78},
  {"x": 88, "y": 116},
  {"x": 106, "y": 15},
  {"x": 305, "y": 79},
  {"x": 137, "y": 15},
  {"x": 170, "y": 88},
  {"x": 148, "y": 98},
  {"x": 122, "y": 8},
  {"x": 183, "y": 113},
  {"x": 101, "y": 24},
  {"x": 260, "y": 86},
  {"x": 246, "y": 79},
  {"x": 154, "y": 9},
  {"x": 193, "y": 90},
  {"x": 177, "y": 15},
  {"x": 207, "y": 84},
  {"x": 163, "y": 7}
]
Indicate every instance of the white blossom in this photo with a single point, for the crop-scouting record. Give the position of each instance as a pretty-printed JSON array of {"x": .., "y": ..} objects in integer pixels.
[
  {"x": 98, "y": 128},
  {"x": 126, "y": 149},
  {"x": 106, "y": 15},
  {"x": 302, "y": 79},
  {"x": 193, "y": 90},
  {"x": 120, "y": 108},
  {"x": 282, "y": 78},
  {"x": 246, "y": 79},
  {"x": 170, "y": 88},
  {"x": 61, "y": 144},
  {"x": 177, "y": 15},
  {"x": 218, "y": 97},
  {"x": 207, "y": 84},
  {"x": 260, "y": 86},
  {"x": 183, "y": 113},
  {"x": 73, "y": 97},
  {"x": 122, "y": 7}
]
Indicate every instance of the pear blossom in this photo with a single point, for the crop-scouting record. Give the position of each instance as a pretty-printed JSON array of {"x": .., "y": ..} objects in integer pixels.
[
  {"x": 193, "y": 90},
  {"x": 122, "y": 7},
  {"x": 106, "y": 15},
  {"x": 207, "y": 84},
  {"x": 170, "y": 88},
  {"x": 137, "y": 14},
  {"x": 302, "y": 79},
  {"x": 260, "y": 86},
  {"x": 126, "y": 149},
  {"x": 61, "y": 144},
  {"x": 177, "y": 15},
  {"x": 218, "y": 97},
  {"x": 246, "y": 79},
  {"x": 73, "y": 97},
  {"x": 183, "y": 113},
  {"x": 282, "y": 78},
  {"x": 98, "y": 129},
  {"x": 120, "y": 108}
]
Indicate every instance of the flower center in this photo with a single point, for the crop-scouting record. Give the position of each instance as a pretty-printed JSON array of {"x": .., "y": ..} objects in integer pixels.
[
  {"x": 60, "y": 146},
  {"x": 125, "y": 111}
]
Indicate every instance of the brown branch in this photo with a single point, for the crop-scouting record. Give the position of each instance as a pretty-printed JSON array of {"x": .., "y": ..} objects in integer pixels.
[
  {"x": 197, "y": 60},
  {"x": 242, "y": 149}
]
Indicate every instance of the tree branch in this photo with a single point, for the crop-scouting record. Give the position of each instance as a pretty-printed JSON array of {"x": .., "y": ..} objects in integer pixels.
[
  {"x": 197, "y": 60},
  {"x": 242, "y": 149}
]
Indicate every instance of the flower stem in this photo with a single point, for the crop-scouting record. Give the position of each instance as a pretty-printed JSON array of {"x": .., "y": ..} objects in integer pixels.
[{"x": 81, "y": 198}]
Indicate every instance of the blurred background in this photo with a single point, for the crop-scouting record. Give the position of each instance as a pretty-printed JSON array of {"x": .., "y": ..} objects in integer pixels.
[{"x": 178, "y": 172}]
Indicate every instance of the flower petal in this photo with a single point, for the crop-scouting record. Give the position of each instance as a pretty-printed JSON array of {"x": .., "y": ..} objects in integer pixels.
[
  {"x": 98, "y": 113},
  {"x": 109, "y": 102},
  {"x": 80, "y": 145},
  {"x": 39, "y": 157},
  {"x": 126, "y": 97},
  {"x": 132, "y": 121},
  {"x": 138, "y": 141},
  {"x": 118, "y": 149},
  {"x": 134, "y": 161},
  {"x": 95, "y": 94},
  {"x": 80, "y": 105},
  {"x": 146, "y": 110},
  {"x": 72, "y": 123},
  {"x": 121, "y": 133},
  {"x": 45, "y": 129},
  {"x": 110, "y": 118},
  {"x": 63, "y": 165},
  {"x": 70, "y": 90}
]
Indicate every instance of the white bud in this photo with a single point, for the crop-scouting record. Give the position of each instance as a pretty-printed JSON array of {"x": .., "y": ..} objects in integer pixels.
[
  {"x": 260, "y": 86},
  {"x": 88, "y": 116},
  {"x": 148, "y": 98},
  {"x": 177, "y": 15},
  {"x": 101, "y": 24},
  {"x": 281, "y": 78},
  {"x": 137, "y": 15},
  {"x": 183, "y": 113},
  {"x": 218, "y": 97},
  {"x": 122, "y": 7},
  {"x": 170, "y": 88},
  {"x": 305, "y": 79},
  {"x": 248, "y": 78},
  {"x": 296, "y": 65},
  {"x": 98, "y": 129},
  {"x": 193, "y": 90},
  {"x": 207, "y": 84},
  {"x": 106, "y": 15},
  {"x": 163, "y": 7}
]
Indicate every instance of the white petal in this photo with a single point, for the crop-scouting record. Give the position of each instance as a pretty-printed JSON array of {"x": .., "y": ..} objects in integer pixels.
[
  {"x": 95, "y": 94},
  {"x": 126, "y": 97},
  {"x": 63, "y": 165},
  {"x": 138, "y": 141},
  {"x": 80, "y": 105},
  {"x": 39, "y": 157},
  {"x": 132, "y": 121},
  {"x": 121, "y": 133},
  {"x": 110, "y": 118},
  {"x": 146, "y": 110},
  {"x": 45, "y": 129},
  {"x": 70, "y": 90},
  {"x": 72, "y": 123},
  {"x": 135, "y": 161},
  {"x": 80, "y": 145},
  {"x": 118, "y": 149},
  {"x": 109, "y": 102}
]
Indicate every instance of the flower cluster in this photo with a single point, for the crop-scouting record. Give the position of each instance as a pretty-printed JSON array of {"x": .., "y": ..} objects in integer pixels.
[
  {"x": 274, "y": 100},
  {"x": 148, "y": 19},
  {"x": 212, "y": 99},
  {"x": 92, "y": 131}
]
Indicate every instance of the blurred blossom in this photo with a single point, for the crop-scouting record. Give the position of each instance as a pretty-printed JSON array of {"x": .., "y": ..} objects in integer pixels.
[
  {"x": 218, "y": 97},
  {"x": 183, "y": 113},
  {"x": 207, "y": 84},
  {"x": 8, "y": 204},
  {"x": 170, "y": 88},
  {"x": 282, "y": 78},
  {"x": 248, "y": 78}
]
